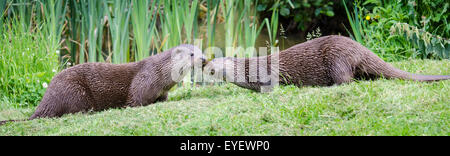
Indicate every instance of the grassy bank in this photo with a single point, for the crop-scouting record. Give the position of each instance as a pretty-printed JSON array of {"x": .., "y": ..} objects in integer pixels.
[{"x": 382, "y": 107}]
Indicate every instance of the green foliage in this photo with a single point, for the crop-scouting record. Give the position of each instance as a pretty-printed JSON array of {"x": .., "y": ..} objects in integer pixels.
[
  {"x": 54, "y": 20},
  {"x": 171, "y": 22},
  {"x": 212, "y": 12},
  {"x": 211, "y": 19},
  {"x": 431, "y": 15},
  {"x": 314, "y": 34},
  {"x": 241, "y": 27},
  {"x": 26, "y": 64},
  {"x": 93, "y": 13},
  {"x": 357, "y": 23},
  {"x": 144, "y": 26},
  {"x": 229, "y": 13},
  {"x": 23, "y": 13},
  {"x": 272, "y": 25},
  {"x": 118, "y": 19},
  {"x": 301, "y": 12},
  {"x": 377, "y": 25},
  {"x": 250, "y": 26},
  {"x": 429, "y": 46},
  {"x": 3, "y": 5},
  {"x": 130, "y": 30}
]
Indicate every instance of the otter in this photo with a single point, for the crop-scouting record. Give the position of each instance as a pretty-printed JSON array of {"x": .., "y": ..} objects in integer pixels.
[
  {"x": 324, "y": 61},
  {"x": 100, "y": 86}
]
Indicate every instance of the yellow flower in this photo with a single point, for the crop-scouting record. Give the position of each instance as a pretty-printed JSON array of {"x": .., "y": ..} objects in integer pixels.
[{"x": 367, "y": 17}]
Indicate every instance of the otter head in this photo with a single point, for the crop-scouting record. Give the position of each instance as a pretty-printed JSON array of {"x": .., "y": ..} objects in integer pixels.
[
  {"x": 184, "y": 59},
  {"x": 221, "y": 68}
]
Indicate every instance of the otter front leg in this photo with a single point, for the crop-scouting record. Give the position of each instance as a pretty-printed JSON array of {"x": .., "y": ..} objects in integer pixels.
[
  {"x": 143, "y": 91},
  {"x": 142, "y": 98}
]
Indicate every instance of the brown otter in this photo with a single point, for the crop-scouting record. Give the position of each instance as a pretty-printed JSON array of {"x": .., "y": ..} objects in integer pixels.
[
  {"x": 100, "y": 86},
  {"x": 323, "y": 61}
]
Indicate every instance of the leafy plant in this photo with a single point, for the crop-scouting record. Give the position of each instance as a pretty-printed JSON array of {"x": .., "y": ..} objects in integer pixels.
[
  {"x": 357, "y": 23},
  {"x": 314, "y": 34},
  {"x": 26, "y": 64},
  {"x": 301, "y": 12},
  {"x": 383, "y": 33},
  {"x": 430, "y": 15},
  {"x": 54, "y": 20},
  {"x": 429, "y": 45}
]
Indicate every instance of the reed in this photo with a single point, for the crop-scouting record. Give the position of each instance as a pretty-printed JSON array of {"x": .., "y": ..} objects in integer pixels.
[
  {"x": 23, "y": 11},
  {"x": 54, "y": 11},
  {"x": 144, "y": 19},
  {"x": 189, "y": 10},
  {"x": 357, "y": 23},
  {"x": 119, "y": 17},
  {"x": 102, "y": 30},
  {"x": 93, "y": 13},
  {"x": 272, "y": 25},
  {"x": 229, "y": 9},
  {"x": 251, "y": 29},
  {"x": 3, "y": 8},
  {"x": 26, "y": 64},
  {"x": 73, "y": 44},
  {"x": 171, "y": 23},
  {"x": 211, "y": 22}
]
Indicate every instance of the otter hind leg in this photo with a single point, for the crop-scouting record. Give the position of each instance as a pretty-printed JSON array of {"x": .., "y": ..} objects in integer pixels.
[
  {"x": 341, "y": 72},
  {"x": 57, "y": 102},
  {"x": 48, "y": 108},
  {"x": 361, "y": 75}
]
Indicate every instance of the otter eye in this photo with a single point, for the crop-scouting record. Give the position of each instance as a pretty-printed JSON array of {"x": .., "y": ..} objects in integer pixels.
[
  {"x": 213, "y": 71},
  {"x": 192, "y": 54}
]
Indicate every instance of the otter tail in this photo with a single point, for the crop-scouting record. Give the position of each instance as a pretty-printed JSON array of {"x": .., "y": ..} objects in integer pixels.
[
  {"x": 374, "y": 65},
  {"x": 36, "y": 115},
  {"x": 429, "y": 77},
  {"x": 6, "y": 121}
]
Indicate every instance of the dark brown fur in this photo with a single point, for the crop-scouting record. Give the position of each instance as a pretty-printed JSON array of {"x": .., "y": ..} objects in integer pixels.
[
  {"x": 99, "y": 86},
  {"x": 323, "y": 61}
]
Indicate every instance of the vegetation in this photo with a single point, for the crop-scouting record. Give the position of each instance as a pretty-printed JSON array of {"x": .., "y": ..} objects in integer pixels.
[
  {"x": 27, "y": 64},
  {"x": 301, "y": 13},
  {"x": 39, "y": 38},
  {"x": 395, "y": 31}
]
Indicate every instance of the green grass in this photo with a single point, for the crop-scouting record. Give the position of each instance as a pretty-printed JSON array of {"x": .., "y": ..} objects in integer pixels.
[
  {"x": 27, "y": 63},
  {"x": 382, "y": 107}
]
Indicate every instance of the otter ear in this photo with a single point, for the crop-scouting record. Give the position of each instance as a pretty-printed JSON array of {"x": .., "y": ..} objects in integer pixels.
[{"x": 178, "y": 51}]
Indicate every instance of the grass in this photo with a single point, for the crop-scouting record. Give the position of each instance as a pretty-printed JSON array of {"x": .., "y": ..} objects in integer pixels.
[
  {"x": 26, "y": 64},
  {"x": 382, "y": 107}
]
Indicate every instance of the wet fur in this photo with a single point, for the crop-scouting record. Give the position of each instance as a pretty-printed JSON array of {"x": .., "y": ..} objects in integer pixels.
[
  {"x": 323, "y": 61},
  {"x": 99, "y": 86}
]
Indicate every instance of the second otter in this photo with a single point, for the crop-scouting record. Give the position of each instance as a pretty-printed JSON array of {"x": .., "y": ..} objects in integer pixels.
[{"x": 323, "y": 61}]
